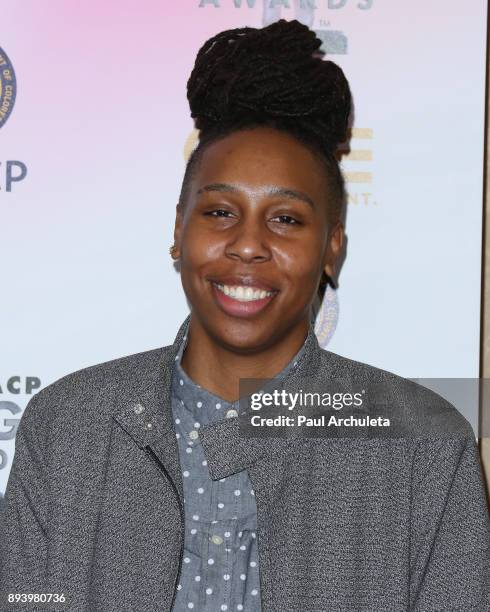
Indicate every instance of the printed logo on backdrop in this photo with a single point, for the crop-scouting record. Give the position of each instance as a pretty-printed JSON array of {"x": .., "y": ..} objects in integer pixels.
[
  {"x": 8, "y": 87},
  {"x": 300, "y": 4},
  {"x": 333, "y": 41},
  {"x": 11, "y": 171},
  {"x": 10, "y": 414}
]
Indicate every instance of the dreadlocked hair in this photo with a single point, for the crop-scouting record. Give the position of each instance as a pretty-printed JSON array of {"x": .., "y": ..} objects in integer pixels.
[{"x": 276, "y": 77}]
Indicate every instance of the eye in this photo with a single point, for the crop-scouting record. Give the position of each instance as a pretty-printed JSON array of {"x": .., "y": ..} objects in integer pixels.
[
  {"x": 217, "y": 213},
  {"x": 287, "y": 219}
]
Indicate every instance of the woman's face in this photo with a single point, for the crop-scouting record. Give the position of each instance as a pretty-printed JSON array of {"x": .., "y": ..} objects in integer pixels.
[{"x": 253, "y": 238}]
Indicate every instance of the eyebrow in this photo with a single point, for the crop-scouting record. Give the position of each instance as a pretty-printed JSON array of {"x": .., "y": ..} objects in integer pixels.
[{"x": 284, "y": 192}]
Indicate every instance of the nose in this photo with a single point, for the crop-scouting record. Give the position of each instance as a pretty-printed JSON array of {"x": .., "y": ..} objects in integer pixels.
[{"x": 249, "y": 242}]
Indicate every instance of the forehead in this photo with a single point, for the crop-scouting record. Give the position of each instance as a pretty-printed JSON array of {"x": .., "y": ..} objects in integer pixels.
[{"x": 262, "y": 156}]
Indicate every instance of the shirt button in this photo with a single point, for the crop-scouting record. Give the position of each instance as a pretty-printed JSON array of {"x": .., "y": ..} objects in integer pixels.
[
  {"x": 138, "y": 409},
  {"x": 149, "y": 425},
  {"x": 216, "y": 539},
  {"x": 231, "y": 413},
  {"x": 193, "y": 435}
]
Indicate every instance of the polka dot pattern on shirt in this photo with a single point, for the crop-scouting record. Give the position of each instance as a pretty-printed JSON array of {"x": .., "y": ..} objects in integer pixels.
[{"x": 220, "y": 563}]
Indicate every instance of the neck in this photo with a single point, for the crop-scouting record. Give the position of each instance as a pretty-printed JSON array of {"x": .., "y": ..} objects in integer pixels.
[{"x": 219, "y": 369}]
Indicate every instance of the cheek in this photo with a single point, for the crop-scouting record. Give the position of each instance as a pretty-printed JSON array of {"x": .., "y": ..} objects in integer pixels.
[
  {"x": 200, "y": 246},
  {"x": 300, "y": 264},
  {"x": 199, "y": 256}
]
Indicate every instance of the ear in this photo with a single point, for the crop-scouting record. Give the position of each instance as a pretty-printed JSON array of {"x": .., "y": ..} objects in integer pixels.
[
  {"x": 178, "y": 230},
  {"x": 333, "y": 250}
]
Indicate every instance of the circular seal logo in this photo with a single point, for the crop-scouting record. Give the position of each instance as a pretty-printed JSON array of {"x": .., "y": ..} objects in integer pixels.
[{"x": 8, "y": 87}]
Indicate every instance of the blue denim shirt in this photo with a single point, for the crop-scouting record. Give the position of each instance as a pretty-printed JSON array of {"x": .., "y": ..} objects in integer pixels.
[{"x": 220, "y": 568}]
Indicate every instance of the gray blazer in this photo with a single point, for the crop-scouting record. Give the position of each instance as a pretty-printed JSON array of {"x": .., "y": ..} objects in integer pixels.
[{"x": 94, "y": 503}]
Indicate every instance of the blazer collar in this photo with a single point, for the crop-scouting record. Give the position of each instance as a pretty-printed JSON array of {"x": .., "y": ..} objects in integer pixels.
[{"x": 143, "y": 409}]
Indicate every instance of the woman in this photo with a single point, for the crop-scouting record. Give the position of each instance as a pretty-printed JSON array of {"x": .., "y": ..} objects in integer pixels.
[{"x": 133, "y": 487}]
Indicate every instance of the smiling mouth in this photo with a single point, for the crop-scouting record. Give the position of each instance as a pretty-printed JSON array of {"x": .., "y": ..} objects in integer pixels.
[
  {"x": 243, "y": 293},
  {"x": 241, "y": 301}
]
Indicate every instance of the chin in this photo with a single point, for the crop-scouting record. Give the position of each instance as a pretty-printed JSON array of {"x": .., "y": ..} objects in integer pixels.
[{"x": 243, "y": 335}]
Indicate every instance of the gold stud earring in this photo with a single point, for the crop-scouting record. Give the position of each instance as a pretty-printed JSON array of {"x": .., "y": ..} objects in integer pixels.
[{"x": 172, "y": 251}]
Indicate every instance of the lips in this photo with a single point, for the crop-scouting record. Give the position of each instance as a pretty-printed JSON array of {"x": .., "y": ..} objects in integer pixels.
[{"x": 242, "y": 296}]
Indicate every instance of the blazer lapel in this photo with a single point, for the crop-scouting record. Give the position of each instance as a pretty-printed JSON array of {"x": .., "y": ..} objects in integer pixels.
[{"x": 143, "y": 407}]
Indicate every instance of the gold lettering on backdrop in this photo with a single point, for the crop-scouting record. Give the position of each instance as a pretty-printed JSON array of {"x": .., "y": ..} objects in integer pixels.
[
  {"x": 358, "y": 177},
  {"x": 361, "y": 133},
  {"x": 364, "y": 199},
  {"x": 360, "y": 155},
  {"x": 356, "y": 158}
]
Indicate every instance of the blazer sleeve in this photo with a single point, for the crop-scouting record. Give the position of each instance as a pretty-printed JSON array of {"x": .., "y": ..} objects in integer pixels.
[
  {"x": 24, "y": 516},
  {"x": 450, "y": 530}
]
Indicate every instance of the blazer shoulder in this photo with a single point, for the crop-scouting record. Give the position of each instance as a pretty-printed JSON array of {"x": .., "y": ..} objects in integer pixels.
[
  {"x": 418, "y": 409},
  {"x": 101, "y": 376},
  {"x": 90, "y": 388}
]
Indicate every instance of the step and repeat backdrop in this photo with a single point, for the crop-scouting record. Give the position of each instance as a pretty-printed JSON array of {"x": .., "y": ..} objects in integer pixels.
[{"x": 94, "y": 134}]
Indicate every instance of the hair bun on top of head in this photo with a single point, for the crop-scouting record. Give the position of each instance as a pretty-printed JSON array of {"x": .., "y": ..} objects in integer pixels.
[{"x": 249, "y": 75}]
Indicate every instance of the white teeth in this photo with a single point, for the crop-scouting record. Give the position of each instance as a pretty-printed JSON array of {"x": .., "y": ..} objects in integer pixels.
[{"x": 244, "y": 294}]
